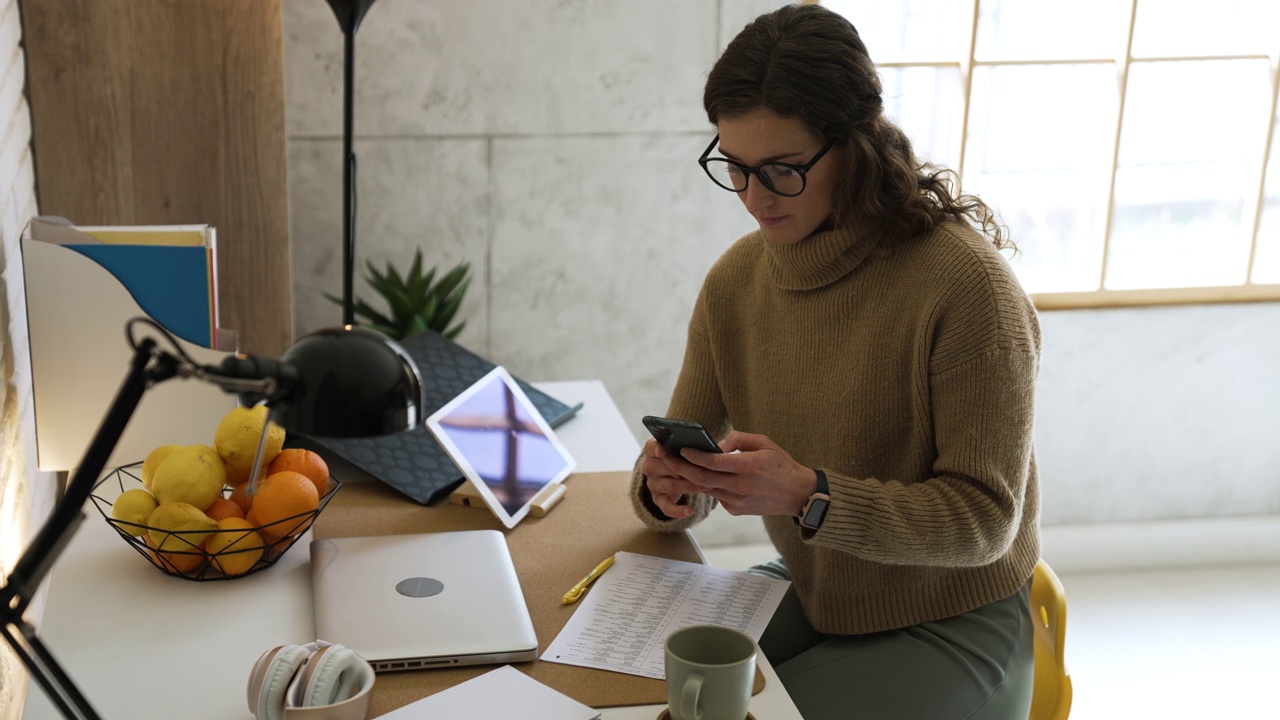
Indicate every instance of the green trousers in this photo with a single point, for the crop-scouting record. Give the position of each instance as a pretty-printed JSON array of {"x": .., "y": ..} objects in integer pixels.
[{"x": 976, "y": 666}]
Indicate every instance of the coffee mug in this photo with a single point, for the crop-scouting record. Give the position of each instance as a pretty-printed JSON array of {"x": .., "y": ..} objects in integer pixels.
[{"x": 711, "y": 670}]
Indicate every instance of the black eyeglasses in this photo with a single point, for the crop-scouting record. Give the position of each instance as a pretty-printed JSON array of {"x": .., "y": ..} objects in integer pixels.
[{"x": 784, "y": 179}]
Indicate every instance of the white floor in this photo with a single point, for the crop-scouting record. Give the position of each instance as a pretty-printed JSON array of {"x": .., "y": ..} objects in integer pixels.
[{"x": 1164, "y": 643}]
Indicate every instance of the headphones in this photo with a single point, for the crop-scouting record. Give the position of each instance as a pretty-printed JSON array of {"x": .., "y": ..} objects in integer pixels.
[{"x": 317, "y": 681}]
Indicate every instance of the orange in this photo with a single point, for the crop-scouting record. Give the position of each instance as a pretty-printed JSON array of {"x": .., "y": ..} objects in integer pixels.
[
  {"x": 182, "y": 562},
  {"x": 239, "y": 495},
  {"x": 280, "y": 499},
  {"x": 238, "y": 476},
  {"x": 303, "y": 462},
  {"x": 224, "y": 508},
  {"x": 235, "y": 548}
]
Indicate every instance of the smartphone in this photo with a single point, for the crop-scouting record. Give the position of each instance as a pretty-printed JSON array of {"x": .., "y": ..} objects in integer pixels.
[{"x": 677, "y": 434}]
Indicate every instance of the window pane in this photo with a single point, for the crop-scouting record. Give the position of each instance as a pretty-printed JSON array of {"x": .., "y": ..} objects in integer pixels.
[
  {"x": 1165, "y": 28},
  {"x": 1188, "y": 172},
  {"x": 1051, "y": 29},
  {"x": 927, "y": 103},
  {"x": 1040, "y": 150},
  {"x": 909, "y": 29},
  {"x": 1266, "y": 265}
]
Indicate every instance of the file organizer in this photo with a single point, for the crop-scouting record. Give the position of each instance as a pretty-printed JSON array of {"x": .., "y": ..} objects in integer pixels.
[{"x": 82, "y": 285}]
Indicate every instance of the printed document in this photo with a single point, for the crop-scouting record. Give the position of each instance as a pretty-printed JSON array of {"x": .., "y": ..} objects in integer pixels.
[{"x": 625, "y": 618}]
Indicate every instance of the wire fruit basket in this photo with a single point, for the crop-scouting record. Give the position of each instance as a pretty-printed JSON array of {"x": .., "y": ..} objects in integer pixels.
[{"x": 179, "y": 554}]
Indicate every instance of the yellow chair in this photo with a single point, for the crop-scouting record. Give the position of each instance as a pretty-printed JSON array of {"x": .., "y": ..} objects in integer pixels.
[{"x": 1051, "y": 699}]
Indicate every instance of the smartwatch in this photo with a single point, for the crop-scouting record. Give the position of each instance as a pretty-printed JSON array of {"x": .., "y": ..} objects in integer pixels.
[{"x": 815, "y": 508}]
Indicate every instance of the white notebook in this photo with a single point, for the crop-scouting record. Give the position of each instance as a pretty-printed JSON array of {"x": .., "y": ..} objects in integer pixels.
[{"x": 499, "y": 694}]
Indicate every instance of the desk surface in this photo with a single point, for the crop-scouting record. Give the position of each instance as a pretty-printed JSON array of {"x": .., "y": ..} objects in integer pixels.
[{"x": 141, "y": 644}]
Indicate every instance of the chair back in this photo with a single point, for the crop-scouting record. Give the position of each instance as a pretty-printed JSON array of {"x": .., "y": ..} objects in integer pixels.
[{"x": 1051, "y": 699}]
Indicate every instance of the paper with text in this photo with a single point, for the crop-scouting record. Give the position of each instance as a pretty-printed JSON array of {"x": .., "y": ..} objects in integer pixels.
[
  {"x": 496, "y": 695},
  {"x": 624, "y": 620}
]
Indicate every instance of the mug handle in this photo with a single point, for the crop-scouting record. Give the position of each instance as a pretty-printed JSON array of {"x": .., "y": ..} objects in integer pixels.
[{"x": 689, "y": 698}]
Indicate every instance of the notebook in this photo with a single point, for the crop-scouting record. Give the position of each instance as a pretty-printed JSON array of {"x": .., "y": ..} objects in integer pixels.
[
  {"x": 413, "y": 462},
  {"x": 410, "y": 602}
]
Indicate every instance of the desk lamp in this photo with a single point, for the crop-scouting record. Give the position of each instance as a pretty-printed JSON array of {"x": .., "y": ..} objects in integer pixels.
[{"x": 340, "y": 382}]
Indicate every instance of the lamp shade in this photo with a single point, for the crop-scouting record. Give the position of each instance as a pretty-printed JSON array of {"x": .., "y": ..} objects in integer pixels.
[{"x": 349, "y": 382}]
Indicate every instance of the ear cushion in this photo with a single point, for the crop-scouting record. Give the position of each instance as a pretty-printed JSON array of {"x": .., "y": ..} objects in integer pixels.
[
  {"x": 326, "y": 678},
  {"x": 270, "y": 679}
]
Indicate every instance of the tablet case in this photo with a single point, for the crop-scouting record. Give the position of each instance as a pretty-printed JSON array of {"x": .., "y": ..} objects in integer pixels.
[{"x": 413, "y": 462}]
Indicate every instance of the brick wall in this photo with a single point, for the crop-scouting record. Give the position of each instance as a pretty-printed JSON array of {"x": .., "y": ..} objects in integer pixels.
[{"x": 25, "y": 494}]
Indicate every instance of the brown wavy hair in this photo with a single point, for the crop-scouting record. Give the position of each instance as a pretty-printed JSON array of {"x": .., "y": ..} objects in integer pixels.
[{"x": 809, "y": 63}]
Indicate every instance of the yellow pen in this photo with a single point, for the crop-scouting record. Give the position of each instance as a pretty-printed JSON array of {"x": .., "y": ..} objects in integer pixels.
[{"x": 576, "y": 591}]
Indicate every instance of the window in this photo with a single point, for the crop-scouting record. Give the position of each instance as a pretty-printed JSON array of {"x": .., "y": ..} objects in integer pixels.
[{"x": 1129, "y": 146}]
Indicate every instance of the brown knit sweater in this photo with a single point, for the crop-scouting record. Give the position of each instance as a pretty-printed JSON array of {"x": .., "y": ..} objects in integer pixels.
[{"x": 906, "y": 372}]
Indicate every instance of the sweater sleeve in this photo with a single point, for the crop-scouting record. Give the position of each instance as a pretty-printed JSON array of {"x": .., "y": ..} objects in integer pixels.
[
  {"x": 696, "y": 397},
  {"x": 967, "y": 514}
]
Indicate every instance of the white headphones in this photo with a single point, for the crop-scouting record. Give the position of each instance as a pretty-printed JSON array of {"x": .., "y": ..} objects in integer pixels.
[{"x": 316, "y": 681}]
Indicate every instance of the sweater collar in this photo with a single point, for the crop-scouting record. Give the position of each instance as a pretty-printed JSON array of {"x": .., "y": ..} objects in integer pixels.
[{"x": 818, "y": 260}]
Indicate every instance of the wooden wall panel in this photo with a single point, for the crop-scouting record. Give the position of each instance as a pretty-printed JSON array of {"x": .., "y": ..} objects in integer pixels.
[{"x": 171, "y": 111}]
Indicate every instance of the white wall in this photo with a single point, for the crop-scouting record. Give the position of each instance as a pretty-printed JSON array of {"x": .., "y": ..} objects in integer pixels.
[
  {"x": 26, "y": 495},
  {"x": 554, "y": 143}
]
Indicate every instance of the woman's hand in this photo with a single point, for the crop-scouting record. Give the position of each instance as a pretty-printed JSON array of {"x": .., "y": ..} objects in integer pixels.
[
  {"x": 666, "y": 485},
  {"x": 760, "y": 479}
]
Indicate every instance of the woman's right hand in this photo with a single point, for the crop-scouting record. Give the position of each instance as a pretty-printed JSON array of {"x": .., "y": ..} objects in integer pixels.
[{"x": 666, "y": 487}]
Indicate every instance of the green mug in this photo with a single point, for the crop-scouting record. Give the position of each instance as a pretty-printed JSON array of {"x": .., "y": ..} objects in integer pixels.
[{"x": 711, "y": 670}]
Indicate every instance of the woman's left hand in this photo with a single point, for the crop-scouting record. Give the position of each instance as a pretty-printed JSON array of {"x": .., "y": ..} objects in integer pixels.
[{"x": 760, "y": 479}]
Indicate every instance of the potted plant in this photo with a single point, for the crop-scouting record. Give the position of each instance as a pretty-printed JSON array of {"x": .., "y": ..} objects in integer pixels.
[{"x": 416, "y": 301}]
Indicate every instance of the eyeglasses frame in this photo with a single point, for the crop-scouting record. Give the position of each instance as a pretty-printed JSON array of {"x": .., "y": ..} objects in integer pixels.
[{"x": 748, "y": 171}]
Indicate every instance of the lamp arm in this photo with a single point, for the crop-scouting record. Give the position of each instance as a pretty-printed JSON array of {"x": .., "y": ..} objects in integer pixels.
[
  {"x": 35, "y": 563},
  {"x": 255, "y": 379},
  {"x": 67, "y": 514}
]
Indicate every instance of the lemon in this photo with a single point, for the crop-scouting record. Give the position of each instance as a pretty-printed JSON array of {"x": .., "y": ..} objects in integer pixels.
[
  {"x": 131, "y": 509},
  {"x": 193, "y": 474},
  {"x": 236, "y": 440},
  {"x": 154, "y": 458},
  {"x": 236, "y": 548},
  {"x": 179, "y": 517}
]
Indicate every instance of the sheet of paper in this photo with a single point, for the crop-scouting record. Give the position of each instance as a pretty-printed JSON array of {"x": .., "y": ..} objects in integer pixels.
[
  {"x": 625, "y": 618},
  {"x": 499, "y": 694}
]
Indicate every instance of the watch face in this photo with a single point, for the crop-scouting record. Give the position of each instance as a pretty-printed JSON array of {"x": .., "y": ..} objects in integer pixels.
[{"x": 815, "y": 513}]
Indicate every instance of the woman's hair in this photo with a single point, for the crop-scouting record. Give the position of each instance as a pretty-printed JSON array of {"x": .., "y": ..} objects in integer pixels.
[{"x": 808, "y": 62}]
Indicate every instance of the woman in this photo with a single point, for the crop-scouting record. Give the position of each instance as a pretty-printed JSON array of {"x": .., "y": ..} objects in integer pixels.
[{"x": 869, "y": 352}]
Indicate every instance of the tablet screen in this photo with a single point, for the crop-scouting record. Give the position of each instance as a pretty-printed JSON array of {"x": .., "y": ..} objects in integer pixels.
[{"x": 502, "y": 444}]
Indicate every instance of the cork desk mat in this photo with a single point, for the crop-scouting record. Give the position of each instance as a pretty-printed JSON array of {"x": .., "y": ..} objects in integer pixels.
[{"x": 551, "y": 553}]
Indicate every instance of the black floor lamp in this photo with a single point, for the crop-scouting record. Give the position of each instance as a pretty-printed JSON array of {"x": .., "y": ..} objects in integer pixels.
[{"x": 349, "y": 13}]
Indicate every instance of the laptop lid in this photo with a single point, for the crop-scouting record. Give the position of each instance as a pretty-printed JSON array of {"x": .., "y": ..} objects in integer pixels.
[{"x": 408, "y": 602}]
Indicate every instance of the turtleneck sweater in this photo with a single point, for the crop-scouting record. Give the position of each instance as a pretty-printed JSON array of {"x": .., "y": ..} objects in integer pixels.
[{"x": 906, "y": 372}]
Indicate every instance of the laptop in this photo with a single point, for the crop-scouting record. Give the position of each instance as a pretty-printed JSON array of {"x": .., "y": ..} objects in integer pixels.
[{"x": 412, "y": 602}]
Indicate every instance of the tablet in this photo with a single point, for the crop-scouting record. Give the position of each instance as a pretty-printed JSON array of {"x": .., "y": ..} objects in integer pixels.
[{"x": 502, "y": 444}]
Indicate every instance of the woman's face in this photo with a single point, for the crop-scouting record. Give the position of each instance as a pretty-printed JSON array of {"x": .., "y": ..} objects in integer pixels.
[{"x": 762, "y": 136}]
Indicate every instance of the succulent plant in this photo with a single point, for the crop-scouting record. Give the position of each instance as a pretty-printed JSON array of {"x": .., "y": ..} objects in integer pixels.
[{"x": 416, "y": 302}]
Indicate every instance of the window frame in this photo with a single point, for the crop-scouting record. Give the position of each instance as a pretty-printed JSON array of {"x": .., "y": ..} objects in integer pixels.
[{"x": 1100, "y": 297}]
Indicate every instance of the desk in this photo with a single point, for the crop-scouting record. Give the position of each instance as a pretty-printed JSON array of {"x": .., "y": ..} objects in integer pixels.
[{"x": 144, "y": 645}]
